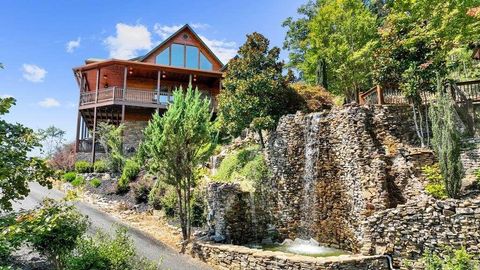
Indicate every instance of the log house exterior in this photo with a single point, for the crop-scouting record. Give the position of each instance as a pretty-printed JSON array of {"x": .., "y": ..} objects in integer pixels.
[{"x": 130, "y": 91}]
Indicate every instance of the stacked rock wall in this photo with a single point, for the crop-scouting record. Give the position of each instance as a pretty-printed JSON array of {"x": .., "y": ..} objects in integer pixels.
[
  {"x": 408, "y": 230},
  {"x": 229, "y": 257},
  {"x": 335, "y": 168}
]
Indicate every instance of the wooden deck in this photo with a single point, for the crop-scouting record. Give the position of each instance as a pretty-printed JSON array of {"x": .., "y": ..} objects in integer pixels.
[{"x": 130, "y": 97}]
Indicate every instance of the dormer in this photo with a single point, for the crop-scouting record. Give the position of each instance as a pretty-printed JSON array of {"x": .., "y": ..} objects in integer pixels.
[{"x": 184, "y": 49}]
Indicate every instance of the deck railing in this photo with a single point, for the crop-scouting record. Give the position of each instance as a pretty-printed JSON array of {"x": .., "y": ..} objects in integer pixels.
[
  {"x": 132, "y": 95},
  {"x": 141, "y": 96},
  {"x": 468, "y": 90}
]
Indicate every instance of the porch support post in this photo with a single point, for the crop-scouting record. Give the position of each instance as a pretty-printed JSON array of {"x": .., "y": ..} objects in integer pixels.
[
  {"x": 125, "y": 74},
  {"x": 159, "y": 76},
  {"x": 94, "y": 133},
  {"x": 190, "y": 80},
  {"x": 77, "y": 138},
  {"x": 97, "y": 85},
  {"x": 123, "y": 113}
]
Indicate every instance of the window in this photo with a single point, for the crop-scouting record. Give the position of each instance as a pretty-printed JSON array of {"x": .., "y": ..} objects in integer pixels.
[
  {"x": 163, "y": 57},
  {"x": 204, "y": 63},
  {"x": 177, "y": 51},
  {"x": 192, "y": 57},
  {"x": 180, "y": 55}
]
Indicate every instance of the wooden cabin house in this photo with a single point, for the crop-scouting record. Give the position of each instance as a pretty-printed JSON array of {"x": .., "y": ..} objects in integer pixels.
[{"x": 130, "y": 91}]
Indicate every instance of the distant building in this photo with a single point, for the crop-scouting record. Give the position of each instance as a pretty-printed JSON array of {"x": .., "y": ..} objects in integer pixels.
[{"x": 130, "y": 91}]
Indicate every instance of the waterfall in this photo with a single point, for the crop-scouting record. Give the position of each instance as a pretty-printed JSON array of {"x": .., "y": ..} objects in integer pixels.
[
  {"x": 308, "y": 209},
  {"x": 253, "y": 214}
]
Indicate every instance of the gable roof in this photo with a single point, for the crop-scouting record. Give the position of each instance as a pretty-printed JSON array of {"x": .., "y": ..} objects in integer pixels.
[{"x": 186, "y": 26}]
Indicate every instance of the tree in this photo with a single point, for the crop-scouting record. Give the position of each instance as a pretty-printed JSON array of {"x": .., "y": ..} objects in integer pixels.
[
  {"x": 111, "y": 139},
  {"x": 63, "y": 158},
  {"x": 297, "y": 38},
  {"x": 446, "y": 142},
  {"x": 176, "y": 144},
  {"x": 255, "y": 93},
  {"x": 333, "y": 40},
  {"x": 17, "y": 168},
  {"x": 52, "y": 139}
]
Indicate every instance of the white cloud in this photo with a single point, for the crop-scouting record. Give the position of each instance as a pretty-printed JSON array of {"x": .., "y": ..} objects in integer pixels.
[
  {"x": 225, "y": 50},
  {"x": 129, "y": 40},
  {"x": 33, "y": 73},
  {"x": 164, "y": 31},
  {"x": 49, "y": 103},
  {"x": 200, "y": 25},
  {"x": 72, "y": 45}
]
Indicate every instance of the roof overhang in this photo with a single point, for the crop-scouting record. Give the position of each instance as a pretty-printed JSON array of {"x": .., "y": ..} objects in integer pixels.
[{"x": 135, "y": 64}]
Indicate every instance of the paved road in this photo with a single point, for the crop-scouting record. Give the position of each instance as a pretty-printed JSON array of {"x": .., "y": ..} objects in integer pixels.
[{"x": 146, "y": 246}]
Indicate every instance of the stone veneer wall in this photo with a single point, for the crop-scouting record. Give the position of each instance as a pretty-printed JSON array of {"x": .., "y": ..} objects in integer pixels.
[
  {"x": 408, "y": 230},
  {"x": 133, "y": 135},
  {"x": 230, "y": 257},
  {"x": 333, "y": 169}
]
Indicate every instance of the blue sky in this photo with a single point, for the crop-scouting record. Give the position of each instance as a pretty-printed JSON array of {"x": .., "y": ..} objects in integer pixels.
[{"x": 41, "y": 41}]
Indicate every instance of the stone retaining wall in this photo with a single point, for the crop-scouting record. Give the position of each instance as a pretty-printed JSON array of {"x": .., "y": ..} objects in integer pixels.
[
  {"x": 408, "y": 230},
  {"x": 230, "y": 257}
]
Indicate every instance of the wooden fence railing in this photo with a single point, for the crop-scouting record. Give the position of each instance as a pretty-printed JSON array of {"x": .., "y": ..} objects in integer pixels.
[{"x": 468, "y": 90}]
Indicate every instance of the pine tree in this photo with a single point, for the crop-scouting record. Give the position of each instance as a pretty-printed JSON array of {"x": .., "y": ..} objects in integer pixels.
[
  {"x": 446, "y": 142},
  {"x": 176, "y": 144}
]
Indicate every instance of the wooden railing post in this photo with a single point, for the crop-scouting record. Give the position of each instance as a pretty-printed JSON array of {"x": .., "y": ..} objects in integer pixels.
[{"x": 380, "y": 97}]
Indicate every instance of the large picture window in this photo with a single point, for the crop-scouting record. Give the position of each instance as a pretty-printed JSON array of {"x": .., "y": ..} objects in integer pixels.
[
  {"x": 180, "y": 55},
  {"x": 192, "y": 57}
]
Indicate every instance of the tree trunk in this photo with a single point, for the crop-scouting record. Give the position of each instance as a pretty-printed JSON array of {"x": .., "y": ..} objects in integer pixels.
[{"x": 260, "y": 135}]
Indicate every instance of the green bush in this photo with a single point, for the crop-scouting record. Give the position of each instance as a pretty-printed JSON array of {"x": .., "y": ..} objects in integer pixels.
[
  {"x": 198, "y": 206},
  {"x": 79, "y": 181},
  {"x": 168, "y": 201},
  {"x": 10, "y": 240},
  {"x": 435, "y": 186},
  {"x": 102, "y": 252},
  {"x": 69, "y": 176},
  {"x": 129, "y": 173},
  {"x": 95, "y": 182},
  {"x": 100, "y": 166},
  {"x": 83, "y": 167},
  {"x": 246, "y": 166},
  {"x": 437, "y": 191},
  {"x": 453, "y": 260},
  {"x": 141, "y": 189},
  {"x": 234, "y": 162},
  {"x": 53, "y": 229}
]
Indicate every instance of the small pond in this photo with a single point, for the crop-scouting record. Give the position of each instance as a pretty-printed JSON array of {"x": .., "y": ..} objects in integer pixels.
[{"x": 303, "y": 247}]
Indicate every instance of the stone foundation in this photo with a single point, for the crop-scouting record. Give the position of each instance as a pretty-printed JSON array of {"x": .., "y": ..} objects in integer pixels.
[
  {"x": 133, "y": 135},
  {"x": 230, "y": 257}
]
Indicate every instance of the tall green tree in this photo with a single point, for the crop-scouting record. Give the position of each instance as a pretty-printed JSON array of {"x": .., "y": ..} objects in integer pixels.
[
  {"x": 255, "y": 92},
  {"x": 332, "y": 44},
  {"x": 446, "y": 142},
  {"x": 344, "y": 34},
  {"x": 52, "y": 139},
  {"x": 176, "y": 144},
  {"x": 17, "y": 168}
]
